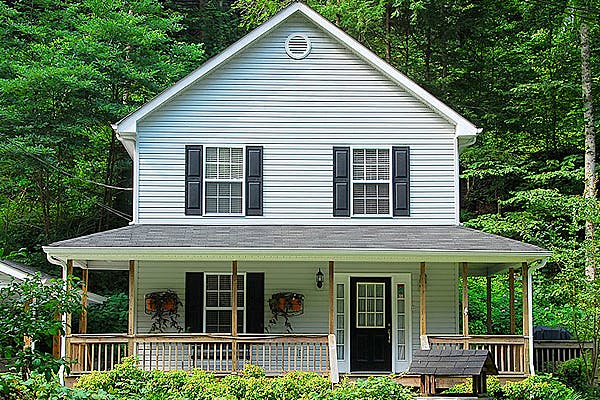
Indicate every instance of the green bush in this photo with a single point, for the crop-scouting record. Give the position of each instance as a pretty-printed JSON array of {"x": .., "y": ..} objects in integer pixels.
[
  {"x": 539, "y": 387},
  {"x": 494, "y": 387},
  {"x": 373, "y": 388},
  {"x": 573, "y": 374},
  {"x": 37, "y": 387}
]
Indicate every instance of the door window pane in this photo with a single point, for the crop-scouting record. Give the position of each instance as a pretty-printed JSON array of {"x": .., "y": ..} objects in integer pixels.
[{"x": 370, "y": 305}]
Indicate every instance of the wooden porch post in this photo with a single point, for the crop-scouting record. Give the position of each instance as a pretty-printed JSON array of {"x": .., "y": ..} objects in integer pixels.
[
  {"x": 84, "y": 301},
  {"x": 331, "y": 284},
  {"x": 131, "y": 309},
  {"x": 526, "y": 311},
  {"x": 489, "y": 304},
  {"x": 423, "y": 308},
  {"x": 465, "y": 298},
  {"x": 234, "y": 317},
  {"x": 511, "y": 290}
]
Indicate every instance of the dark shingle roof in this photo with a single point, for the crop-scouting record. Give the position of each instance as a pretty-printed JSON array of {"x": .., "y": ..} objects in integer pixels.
[
  {"x": 389, "y": 237},
  {"x": 24, "y": 268},
  {"x": 452, "y": 363}
]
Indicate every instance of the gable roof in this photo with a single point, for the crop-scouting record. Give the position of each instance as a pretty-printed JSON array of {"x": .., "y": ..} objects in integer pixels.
[
  {"x": 126, "y": 128},
  {"x": 451, "y": 362},
  {"x": 21, "y": 272}
]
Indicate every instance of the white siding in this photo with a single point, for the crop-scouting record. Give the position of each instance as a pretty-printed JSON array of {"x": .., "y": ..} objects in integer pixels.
[
  {"x": 298, "y": 110},
  {"x": 442, "y": 302}
]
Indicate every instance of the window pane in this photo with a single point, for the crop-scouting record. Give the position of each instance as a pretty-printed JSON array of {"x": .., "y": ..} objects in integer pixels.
[
  {"x": 224, "y": 282},
  {"x": 212, "y": 282},
  {"x": 212, "y": 299},
  {"x": 211, "y": 189}
]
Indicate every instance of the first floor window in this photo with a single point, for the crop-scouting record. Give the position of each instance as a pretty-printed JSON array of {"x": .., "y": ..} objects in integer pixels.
[
  {"x": 218, "y": 303},
  {"x": 224, "y": 178}
]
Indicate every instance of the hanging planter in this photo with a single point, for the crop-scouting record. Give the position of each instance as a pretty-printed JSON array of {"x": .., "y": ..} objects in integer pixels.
[
  {"x": 163, "y": 308},
  {"x": 286, "y": 305}
]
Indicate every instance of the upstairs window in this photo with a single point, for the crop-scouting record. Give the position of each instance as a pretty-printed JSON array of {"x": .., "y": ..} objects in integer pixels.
[
  {"x": 371, "y": 181},
  {"x": 224, "y": 180}
]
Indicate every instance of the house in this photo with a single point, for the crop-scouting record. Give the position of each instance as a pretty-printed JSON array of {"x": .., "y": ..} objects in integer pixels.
[
  {"x": 298, "y": 175},
  {"x": 12, "y": 270}
]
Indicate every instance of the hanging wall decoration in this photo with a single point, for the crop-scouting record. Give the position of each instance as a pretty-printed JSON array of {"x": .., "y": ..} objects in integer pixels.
[
  {"x": 163, "y": 308},
  {"x": 286, "y": 305}
]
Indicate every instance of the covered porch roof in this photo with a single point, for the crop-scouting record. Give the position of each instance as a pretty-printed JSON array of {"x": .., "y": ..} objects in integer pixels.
[{"x": 486, "y": 253}]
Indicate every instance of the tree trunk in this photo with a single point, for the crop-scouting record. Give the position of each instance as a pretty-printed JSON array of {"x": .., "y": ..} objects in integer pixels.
[{"x": 590, "y": 140}]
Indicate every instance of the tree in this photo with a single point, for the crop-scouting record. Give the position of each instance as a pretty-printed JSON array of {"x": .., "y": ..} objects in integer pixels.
[
  {"x": 31, "y": 309},
  {"x": 590, "y": 135}
]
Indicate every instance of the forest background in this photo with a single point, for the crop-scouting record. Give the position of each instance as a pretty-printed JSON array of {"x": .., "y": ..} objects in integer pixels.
[{"x": 69, "y": 69}]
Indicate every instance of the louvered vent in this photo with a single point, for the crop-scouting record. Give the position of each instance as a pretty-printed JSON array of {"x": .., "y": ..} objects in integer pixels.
[{"x": 297, "y": 46}]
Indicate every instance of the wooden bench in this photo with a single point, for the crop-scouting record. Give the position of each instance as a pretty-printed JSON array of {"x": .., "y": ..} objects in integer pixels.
[{"x": 430, "y": 364}]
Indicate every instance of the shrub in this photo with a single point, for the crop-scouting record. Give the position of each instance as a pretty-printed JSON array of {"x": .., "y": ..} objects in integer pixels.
[
  {"x": 573, "y": 374},
  {"x": 494, "y": 388},
  {"x": 539, "y": 387},
  {"x": 373, "y": 388}
]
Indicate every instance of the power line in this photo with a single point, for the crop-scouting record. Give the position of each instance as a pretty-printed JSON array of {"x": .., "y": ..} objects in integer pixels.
[
  {"x": 114, "y": 211},
  {"x": 62, "y": 171}
]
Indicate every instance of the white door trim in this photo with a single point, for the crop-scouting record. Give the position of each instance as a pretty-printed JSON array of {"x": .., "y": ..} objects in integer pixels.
[{"x": 396, "y": 278}]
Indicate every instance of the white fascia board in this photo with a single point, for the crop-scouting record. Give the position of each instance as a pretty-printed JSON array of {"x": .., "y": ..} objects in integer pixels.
[
  {"x": 307, "y": 254},
  {"x": 15, "y": 273},
  {"x": 463, "y": 126},
  {"x": 128, "y": 125}
]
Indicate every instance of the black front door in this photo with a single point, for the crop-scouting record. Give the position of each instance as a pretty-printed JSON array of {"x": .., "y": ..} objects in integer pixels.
[{"x": 370, "y": 324}]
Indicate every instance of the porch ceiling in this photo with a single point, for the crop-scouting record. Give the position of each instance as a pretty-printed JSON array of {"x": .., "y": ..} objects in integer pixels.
[{"x": 297, "y": 242}]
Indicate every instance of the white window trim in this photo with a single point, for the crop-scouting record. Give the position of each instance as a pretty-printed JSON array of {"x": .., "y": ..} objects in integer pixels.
[
  {"x": 389, "y": 182},
  {"x": 205, "y": 181},
  {"x": 207, "y": 308}
]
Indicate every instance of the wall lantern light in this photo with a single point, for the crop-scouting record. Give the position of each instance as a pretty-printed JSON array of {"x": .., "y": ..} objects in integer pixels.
[{"x": 320, "y": 279}]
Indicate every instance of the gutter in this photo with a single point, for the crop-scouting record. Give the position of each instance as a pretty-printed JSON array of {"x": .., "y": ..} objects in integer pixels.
[{"x": 530, "y": 305}]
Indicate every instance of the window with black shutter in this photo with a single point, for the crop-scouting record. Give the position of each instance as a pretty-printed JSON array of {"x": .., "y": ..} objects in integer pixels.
[
  {"x": 401, "y": 180},
  {"x": 193, "y": 180},
  {"x": 341, "y": 181},
  {"x": 371, "y": 181},
  {"x": 215, "y": 182}
]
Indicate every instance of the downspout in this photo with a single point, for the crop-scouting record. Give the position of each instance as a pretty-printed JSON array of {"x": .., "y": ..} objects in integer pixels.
[
  {"x": 530, "y": 304},
  {"x": 63, "y": 338}
]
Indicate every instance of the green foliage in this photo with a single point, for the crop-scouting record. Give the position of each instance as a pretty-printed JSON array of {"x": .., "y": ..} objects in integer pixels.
[
  {"x": 539, "y": 387},
  {"x": 574, "y": 373},
  {"x": 38, "y": 387},
  {"x": 127, "y": 381},
  {"x": 110, "y": 316},
  {"x": 493, "y": 385},
  {"x": 30, "y": 308}
]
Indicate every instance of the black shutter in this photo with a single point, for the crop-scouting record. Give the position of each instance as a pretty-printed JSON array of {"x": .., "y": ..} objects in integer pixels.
[
  {"x": 194, "y": 302},
  {"x": 341, "y": 181},
  {"x": 401, "y": 180},
  {"x": 255, "y": 302},
  {"x": 193, "y": 180},
  {"x": 254, "y": 180}
]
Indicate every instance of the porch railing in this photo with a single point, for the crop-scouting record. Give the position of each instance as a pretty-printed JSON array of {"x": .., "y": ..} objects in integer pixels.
[
  {"x": 548, "y": 353},
  {"x": 221, "y": 354},
  {"x": 507, "y": 351}
]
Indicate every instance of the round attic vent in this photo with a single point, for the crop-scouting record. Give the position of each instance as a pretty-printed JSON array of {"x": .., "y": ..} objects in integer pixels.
[{"x": 297, "y": 46}]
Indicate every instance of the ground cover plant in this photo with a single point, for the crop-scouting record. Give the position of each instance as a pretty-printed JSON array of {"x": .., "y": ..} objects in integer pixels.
[{"x": 127, "y": 381}]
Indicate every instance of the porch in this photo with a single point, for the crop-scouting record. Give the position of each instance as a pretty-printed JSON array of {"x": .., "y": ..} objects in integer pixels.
[
  {"x": 323, "y": 353},
  {"x": 374, "y": 294}
]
